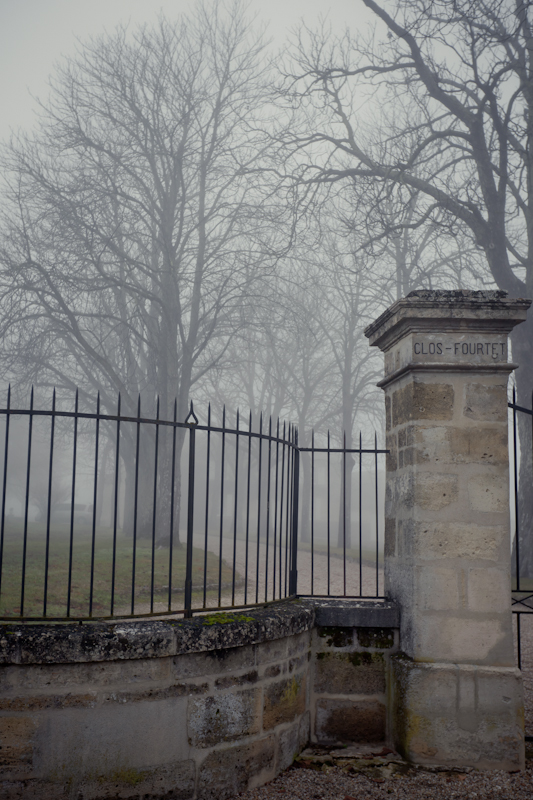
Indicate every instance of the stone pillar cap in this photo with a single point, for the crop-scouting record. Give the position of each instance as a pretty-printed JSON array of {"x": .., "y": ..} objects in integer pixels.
[{"x": 447, "y": 311}]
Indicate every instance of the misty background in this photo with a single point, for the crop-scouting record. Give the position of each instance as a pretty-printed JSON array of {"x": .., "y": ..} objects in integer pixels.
[{"x": 210, "y": 202}]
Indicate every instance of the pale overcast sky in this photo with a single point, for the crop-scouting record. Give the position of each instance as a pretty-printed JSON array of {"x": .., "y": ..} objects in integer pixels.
[{"x": 34, "y": 34}]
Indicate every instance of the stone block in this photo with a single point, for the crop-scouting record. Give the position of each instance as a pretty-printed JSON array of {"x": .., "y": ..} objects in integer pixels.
[
  {"x": 390, "y": 536},
  {"x": 291, "y": 742},
  {"x": 478, "y": 445},
  {"x": 461, "y": 445},
  {"x": 489, "y": 493},
  {"x": 360, "y": 672},
  {"x": 364, "y": 614},
  {"x": 392, "y": 455},
  {"x": 236, "y": 680},
  {"x": 406, "y": 436},
  {"x": 438, "y": 589},
  {"x": 498, "y": 689},
  {"x": 388, "y": 412},
  {"x": 297, "y": 663},
  {"x": 465, "y": 639},
  {"x": 224, "y": 717},
  {"x": 230, "y": 770},
  {"x": 486, "y": 402},
  {"x": 489, "y": 590},
  {"x": 417, "y": 401},
  {"x": 174, "y": 781},
  {"x": 78, "y": 743},
  {"x": 211, "y": 662},
  {"x": 457, "y": 715},
  {"x": 335, "y": 636},
  {"x": 379, "y": 638},
  {"x": 434, "y": 491},
  {"x": 59, "y": 676},
  {"x": 275, "y": 650},
  {"x": 298, "y": 644},
  {"x": 457, "y": 540},
  {"x": 17, "y": 736},
  {"x": 283, "y": 701},
  {"x": 274, "y": 670},
  {"x": 406, "y": 457},
  {"x": 406, "y": 538},
  {"x": 350, "y": 721}
]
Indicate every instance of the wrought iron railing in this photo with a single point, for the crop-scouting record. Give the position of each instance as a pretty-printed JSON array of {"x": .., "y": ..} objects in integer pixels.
[
  {"x": 124, "y": 515},
  {"x": 522, "y": 511}
]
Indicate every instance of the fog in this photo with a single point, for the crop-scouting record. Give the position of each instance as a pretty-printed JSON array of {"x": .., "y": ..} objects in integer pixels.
[{"x": 198, "y": 212}]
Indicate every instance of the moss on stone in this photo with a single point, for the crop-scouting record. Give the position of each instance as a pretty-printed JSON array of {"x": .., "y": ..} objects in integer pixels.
[
  {"x": 383, "y": 638},
  {"x": 131, "y": 777},
  {"x": 336, "y": 636},
  {"x": 222, "y": 618}
]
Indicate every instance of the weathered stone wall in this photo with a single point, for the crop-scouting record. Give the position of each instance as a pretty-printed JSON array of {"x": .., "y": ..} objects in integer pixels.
[
  {"x": 186, "y": 708},
  {"x": 349, "y": 683},
  {"x": 456, "y": 696}
]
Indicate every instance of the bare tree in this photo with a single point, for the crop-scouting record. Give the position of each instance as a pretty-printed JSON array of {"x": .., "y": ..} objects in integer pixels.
[
  {"x": 441, "y": 105},
  {"x": 140, "y": 213}
]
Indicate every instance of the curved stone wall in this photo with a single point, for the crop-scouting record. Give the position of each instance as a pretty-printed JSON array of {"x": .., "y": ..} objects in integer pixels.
[{"x": 184, "y": 708}]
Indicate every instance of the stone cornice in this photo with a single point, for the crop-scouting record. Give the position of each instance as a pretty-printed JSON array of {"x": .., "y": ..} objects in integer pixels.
[{"x": 447, "y": 311}]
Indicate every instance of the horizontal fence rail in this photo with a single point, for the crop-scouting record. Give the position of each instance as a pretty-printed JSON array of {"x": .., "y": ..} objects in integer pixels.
[{"x": 108, "y": 515}]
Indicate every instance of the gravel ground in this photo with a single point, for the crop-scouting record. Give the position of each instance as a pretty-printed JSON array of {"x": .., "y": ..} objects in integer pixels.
[{"x": 373, "y": 775}]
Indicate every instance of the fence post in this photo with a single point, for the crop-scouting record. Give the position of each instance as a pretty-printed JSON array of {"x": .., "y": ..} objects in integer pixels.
[
  {"x": 456, "y": 696},
  {"x": 293, "y": 575},
  {"x": 190, "y": 511}
]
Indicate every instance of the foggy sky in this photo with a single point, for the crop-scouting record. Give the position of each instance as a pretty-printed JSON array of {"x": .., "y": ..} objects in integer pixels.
[{"x": 34, "y": 34}]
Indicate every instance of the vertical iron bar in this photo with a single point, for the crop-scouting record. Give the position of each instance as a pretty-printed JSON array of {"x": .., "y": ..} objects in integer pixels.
[
  {"x": 94, "y": 502},
  {"x": 258, "y": 508},
  {"x": 344, "y": 514},
  {"x": 295, "y": 498},
  {"x": 235, "y": 511},
  {"x": 281, "y": 510},
  {"x": 268, "y": 504},
  {"x": 172, "y": 489},
  {"x": 154, "y": 507},
  {"x": 115, "y": 510},
  {"x": 329, "y": 488},
  {"x": 208, "y": 458},
  {"x": 190, "y": 519},
  {"x": 515, "y": 466},
  {"x": 287, "y": 507},
  {"x": 360, "y": 514},
  {"x": 26, "y": 508},
  {"x": 135, "y": 505},
  {"x": 4, "y": 484},
  {"x": 377, "y": 510},
  {"x": 49, "y": 503},
  {"x": 312, "y": 512},
  {"x": 72, "y": 499},
  {"x": 519, "y": 639},
  {"x": 221, "y": 505},
  {"x": 247, "y": 511},
  {"x": 275, "y": 514}
]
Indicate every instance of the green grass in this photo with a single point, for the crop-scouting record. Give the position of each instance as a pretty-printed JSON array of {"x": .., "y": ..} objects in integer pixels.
[{"x": 57, "y": 591}]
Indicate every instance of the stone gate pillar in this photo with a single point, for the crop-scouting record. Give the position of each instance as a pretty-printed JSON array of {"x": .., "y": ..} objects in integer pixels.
[{"x": 456, "y": 696}]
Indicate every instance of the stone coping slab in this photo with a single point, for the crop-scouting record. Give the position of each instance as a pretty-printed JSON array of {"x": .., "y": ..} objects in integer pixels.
[
  {"x": 63, "y": 643},
  {"x": 485, "y": 310},
  {"x": 356, "y": 614}
]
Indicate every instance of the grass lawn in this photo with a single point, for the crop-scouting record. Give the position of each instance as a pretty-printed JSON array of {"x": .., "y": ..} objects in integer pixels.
[{"x": 57, "y": 592}]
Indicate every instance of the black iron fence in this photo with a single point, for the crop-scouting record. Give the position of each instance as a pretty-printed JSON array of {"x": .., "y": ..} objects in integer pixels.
[
  {"x": 522, "y": 513},
  {"x": 130, "y": 515}
]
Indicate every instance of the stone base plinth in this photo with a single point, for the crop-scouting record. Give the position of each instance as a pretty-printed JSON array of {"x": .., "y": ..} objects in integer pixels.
[{"x": 457, "y": 715}]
